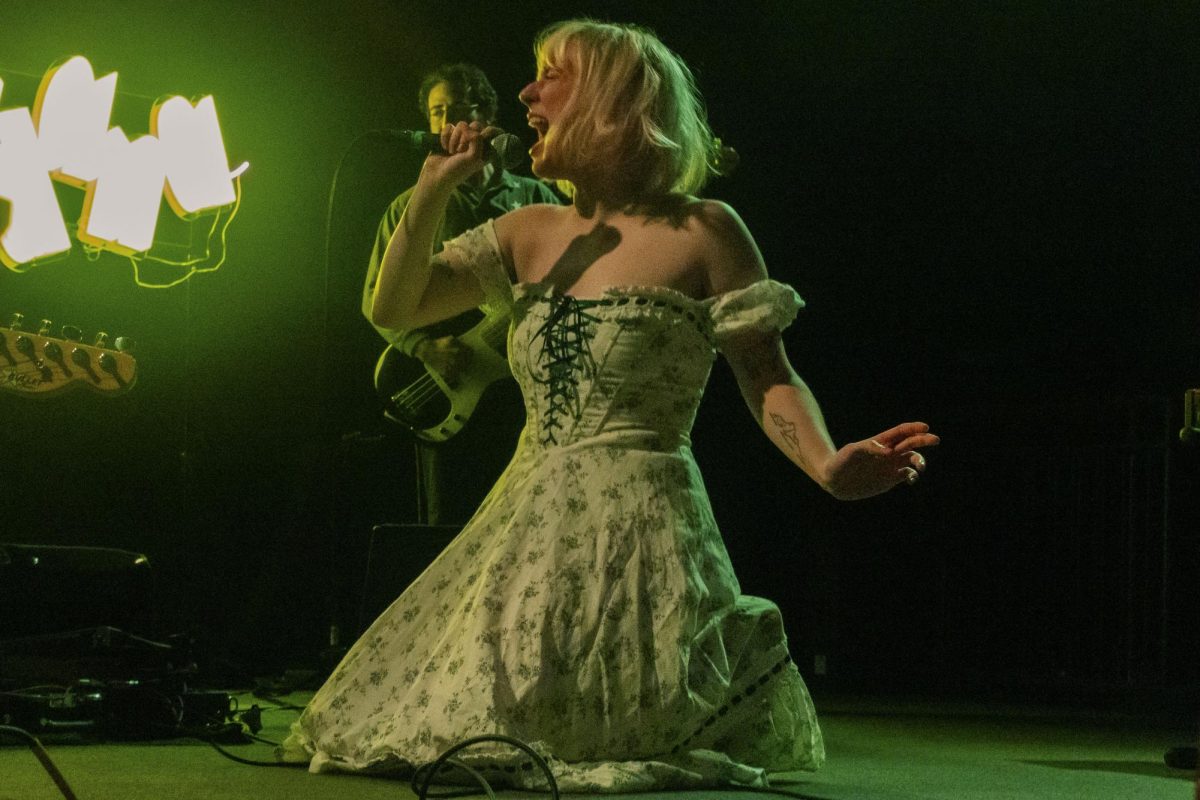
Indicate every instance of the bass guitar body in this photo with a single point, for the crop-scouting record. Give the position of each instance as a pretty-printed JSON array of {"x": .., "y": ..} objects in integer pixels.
[{"x": 421, "y": 400}]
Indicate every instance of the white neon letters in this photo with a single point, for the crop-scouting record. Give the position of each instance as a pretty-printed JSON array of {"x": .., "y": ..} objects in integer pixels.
[
  {"x": 67, "y": 138},
  {"x": 35, "y": 227}
]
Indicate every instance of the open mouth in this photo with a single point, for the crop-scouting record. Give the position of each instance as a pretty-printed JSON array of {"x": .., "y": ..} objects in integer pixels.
[{"x": 539, "y": 124}]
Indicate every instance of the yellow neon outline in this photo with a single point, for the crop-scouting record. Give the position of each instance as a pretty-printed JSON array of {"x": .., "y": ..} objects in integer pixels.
[{"x": 193, "y": 270}]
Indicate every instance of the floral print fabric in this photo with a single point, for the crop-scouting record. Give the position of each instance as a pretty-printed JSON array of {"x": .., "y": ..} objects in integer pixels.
[{"x": 589, "y": 607}]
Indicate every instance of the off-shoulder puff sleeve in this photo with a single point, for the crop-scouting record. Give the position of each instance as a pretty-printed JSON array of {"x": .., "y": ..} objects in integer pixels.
[
  {"x": 765, "y": 305},
  {"x": 478, "y": 251}
]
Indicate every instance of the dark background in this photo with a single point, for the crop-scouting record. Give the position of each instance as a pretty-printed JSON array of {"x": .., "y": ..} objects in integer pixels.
[{"x": 990, "y": 209}]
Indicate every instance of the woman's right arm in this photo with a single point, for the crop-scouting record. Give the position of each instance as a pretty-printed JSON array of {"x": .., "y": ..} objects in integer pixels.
[{"x": 413, "y": 288}]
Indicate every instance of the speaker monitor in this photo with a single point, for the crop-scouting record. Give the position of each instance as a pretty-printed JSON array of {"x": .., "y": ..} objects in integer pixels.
[{"x": 396, "y": 556}]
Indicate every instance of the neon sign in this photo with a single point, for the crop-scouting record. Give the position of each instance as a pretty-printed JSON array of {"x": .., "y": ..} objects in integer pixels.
[{"x": 67, "y": 138}]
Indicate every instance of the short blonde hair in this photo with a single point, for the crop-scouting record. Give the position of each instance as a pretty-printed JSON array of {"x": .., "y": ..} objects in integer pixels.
[{"x": 635, "y": 107}]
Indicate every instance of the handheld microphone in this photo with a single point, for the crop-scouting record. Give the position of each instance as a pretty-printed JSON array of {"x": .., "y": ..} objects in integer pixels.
[{"x": 503, "y": 148}]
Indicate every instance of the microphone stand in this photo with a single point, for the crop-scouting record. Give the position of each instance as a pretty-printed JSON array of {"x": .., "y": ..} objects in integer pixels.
[{"x": 1188, "y": 756}]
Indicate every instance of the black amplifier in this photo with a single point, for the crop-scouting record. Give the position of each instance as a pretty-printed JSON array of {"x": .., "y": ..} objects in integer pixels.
[{"x": 48, "y": 589}]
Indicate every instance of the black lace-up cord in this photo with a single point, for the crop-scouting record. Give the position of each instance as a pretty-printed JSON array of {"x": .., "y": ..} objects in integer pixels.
[{"x": 565, "y": 354}]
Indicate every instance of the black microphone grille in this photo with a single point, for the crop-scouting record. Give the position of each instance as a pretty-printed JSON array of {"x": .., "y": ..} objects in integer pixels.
[{"x": 508, "y": 150}]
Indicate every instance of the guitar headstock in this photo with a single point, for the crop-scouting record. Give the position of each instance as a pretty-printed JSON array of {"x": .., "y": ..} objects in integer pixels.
[{"x": 42, "y": 364}]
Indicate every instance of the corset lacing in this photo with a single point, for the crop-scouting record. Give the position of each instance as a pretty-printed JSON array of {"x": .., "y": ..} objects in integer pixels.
[{"x": 566, "y": 355}]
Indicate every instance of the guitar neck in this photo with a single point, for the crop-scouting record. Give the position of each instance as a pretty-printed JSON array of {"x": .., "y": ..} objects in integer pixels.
[{"x": 493, "y": 330}]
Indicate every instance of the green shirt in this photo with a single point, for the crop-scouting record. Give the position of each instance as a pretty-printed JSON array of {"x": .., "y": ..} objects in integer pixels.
[{"x": 469, "y": 207}]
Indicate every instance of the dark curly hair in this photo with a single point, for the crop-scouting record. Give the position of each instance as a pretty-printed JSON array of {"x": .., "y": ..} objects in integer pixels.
[{"x": 466, "y": 81}]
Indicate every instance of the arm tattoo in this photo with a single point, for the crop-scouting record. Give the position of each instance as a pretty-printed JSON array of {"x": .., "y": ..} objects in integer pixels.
[{"x": 787, "y": 430}]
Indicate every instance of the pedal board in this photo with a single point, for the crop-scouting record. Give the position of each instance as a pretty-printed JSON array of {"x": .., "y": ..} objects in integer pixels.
[{"x": 115, "y": 710}]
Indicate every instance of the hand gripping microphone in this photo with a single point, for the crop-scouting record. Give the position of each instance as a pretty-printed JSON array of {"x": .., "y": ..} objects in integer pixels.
[{"x": 504, "y": 149}]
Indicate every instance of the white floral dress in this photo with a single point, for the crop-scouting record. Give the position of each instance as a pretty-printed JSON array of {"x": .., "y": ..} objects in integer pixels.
[{"x": 589, "y": 607}]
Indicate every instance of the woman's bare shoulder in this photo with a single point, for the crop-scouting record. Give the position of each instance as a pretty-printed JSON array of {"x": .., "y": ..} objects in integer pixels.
[
  {"x": 716, "y": 218},
  {"x": 730, "y": 255},
  {"x": 524, "y": 231},
  {"x": 527, "y": 218}
]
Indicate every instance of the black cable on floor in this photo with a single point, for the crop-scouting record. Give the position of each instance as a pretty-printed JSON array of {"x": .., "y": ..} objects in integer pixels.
[
  {"x": 247, "y": 761},
  {"x": 43, "y": 757},
  {"x": 230, "y": 733},
  {"x": 279, "y": 702},
  {"x": 430, "y": 770}
]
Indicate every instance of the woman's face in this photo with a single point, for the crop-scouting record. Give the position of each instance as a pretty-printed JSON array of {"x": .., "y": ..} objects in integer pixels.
[{"x": 546, "y": 98}]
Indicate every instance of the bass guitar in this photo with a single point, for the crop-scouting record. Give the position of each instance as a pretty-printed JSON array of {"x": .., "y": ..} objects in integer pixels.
[
  {"x": 421, "y": 400},
  {"x": 39, "y": 364}
]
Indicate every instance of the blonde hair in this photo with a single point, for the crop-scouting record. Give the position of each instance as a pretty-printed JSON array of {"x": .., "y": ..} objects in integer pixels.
[{"x": 635, "y": 108}]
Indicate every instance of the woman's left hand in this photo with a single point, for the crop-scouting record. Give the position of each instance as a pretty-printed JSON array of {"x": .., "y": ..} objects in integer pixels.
[{"x": 873, "y": 466}]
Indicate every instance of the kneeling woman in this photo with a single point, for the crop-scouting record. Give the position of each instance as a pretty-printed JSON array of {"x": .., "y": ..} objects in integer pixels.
[{"x": 589, "y": 608}]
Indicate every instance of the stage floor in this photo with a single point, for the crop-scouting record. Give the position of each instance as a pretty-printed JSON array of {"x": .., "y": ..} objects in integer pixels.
[{"x": 879, "y": 749}]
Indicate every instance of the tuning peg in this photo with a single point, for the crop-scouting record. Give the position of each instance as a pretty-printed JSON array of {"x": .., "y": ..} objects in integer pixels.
[
  {"x": 45, "y": 329},
  {"x": 101, "y": 339},
  {"x": 17, "y": 319},
  {"x": 125, "y": 344},
  {"x": 72, "y": 333},
  {"x": 108, "y": 363}
]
